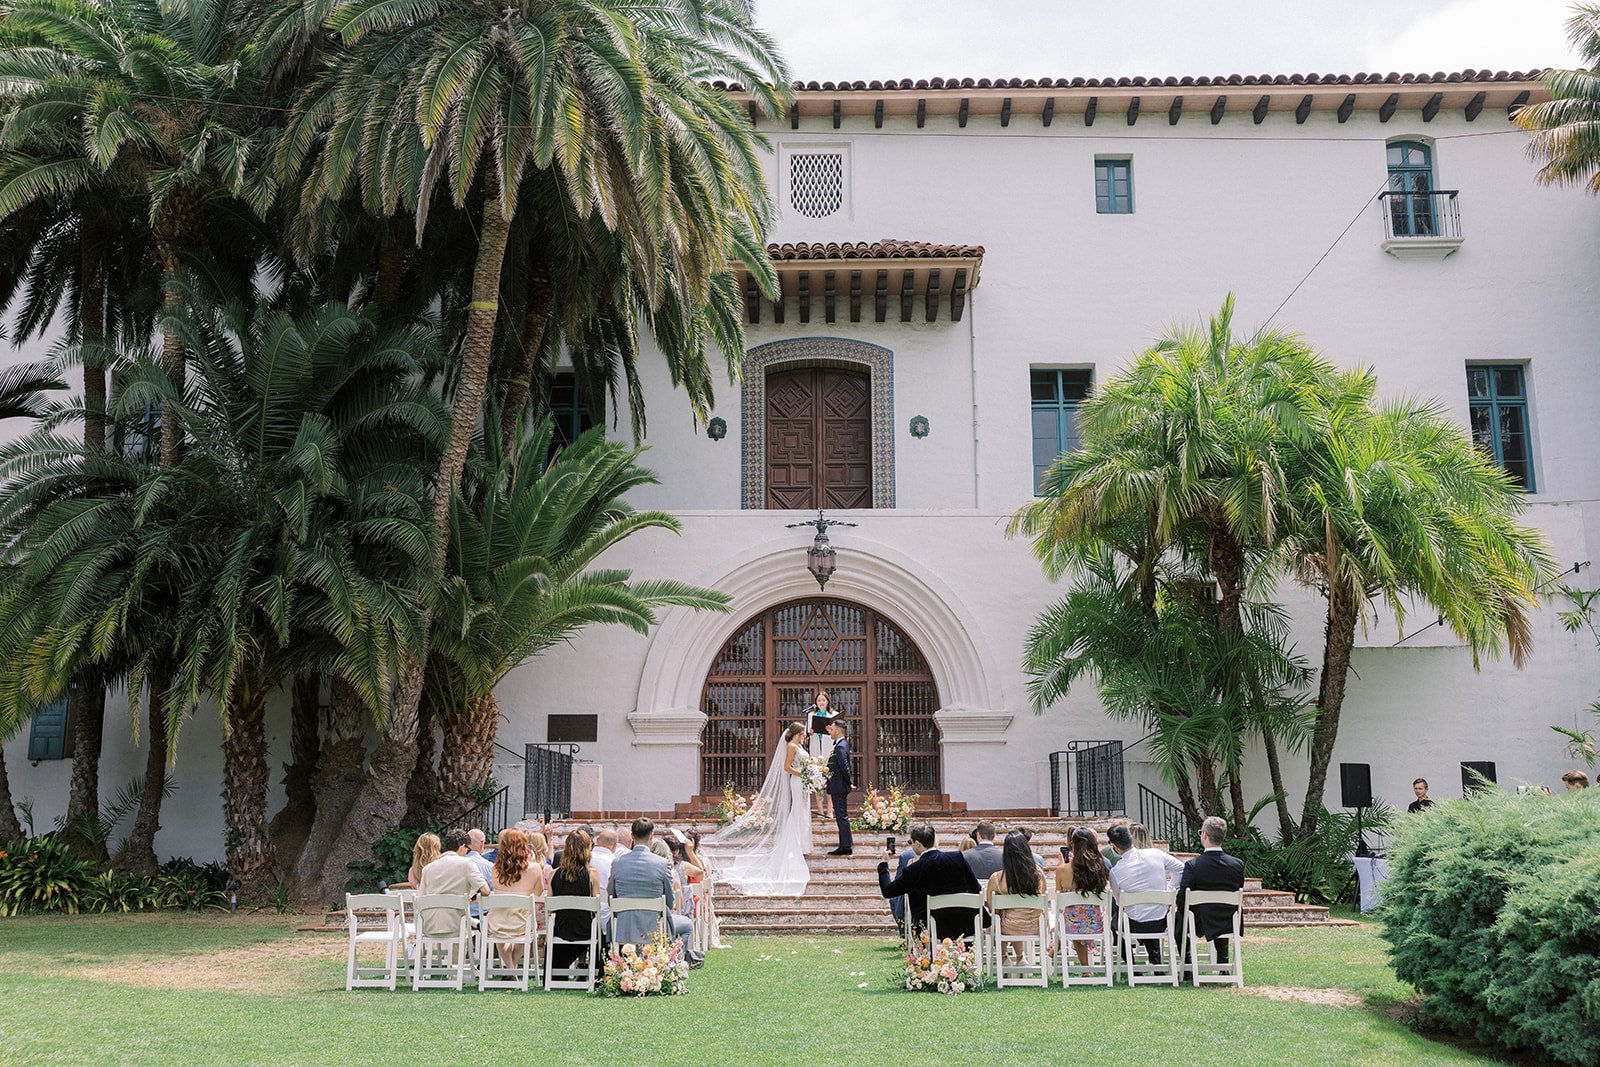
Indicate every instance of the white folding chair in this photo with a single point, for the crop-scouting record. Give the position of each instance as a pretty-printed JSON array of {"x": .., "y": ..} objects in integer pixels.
[
  {"x": 1032, "y": 966},
  {"x": 1092, "y": 973},
  {"x": 1209, "y": 970},
  {"x": 513, "y": 914},
  {"x": 408, "y": 929},
  {"x": 571, "y": 976},
  {"x": 974, "y": 936},
  {"x": 390, "y": 936},
  {"x": 657, "y": 905},
  {"x": 1148, "y": 972},
  {"x": 443, "y": 959},
  {"x": 701, "y": 893}
]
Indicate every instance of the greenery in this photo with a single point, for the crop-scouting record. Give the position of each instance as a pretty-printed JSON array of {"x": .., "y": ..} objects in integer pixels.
[
  {"x": 1492, "y": 911},
  {"x": 391, "y": 862},
  {"x": 1212, "y": 467},
  {"x": 1565, "y": 130},
  {"x": 144, "y": 986},
  {"x": 1582, "y": 743},
  {"x": 41, "y": 874},
  {"x": 1316, "y": 868},
  {"x": 309, "y": 486}
]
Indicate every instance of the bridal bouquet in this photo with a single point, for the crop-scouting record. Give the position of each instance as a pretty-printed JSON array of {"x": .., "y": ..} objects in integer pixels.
[
  {"x": 814, "y": 773},
  {"x": 656, "y": 968},
  {"x": 949, "y": 967},
  {"x": 886, "y": 814}
]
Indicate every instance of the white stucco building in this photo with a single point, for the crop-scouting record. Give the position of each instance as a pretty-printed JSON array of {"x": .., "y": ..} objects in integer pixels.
[{"x": 960, "y": 262}]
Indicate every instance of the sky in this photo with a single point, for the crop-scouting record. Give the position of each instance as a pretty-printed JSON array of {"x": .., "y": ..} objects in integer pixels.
[{"x": 835, "y": 40}]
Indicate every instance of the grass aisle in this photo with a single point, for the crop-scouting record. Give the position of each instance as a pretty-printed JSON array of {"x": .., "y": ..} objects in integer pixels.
[{"x": 210, "y": 989}]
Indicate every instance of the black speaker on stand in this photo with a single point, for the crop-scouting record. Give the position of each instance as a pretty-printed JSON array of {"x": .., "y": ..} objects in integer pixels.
[
  {"x": 1471, "y": 771},
  {"x": 1355, "y": 791}
]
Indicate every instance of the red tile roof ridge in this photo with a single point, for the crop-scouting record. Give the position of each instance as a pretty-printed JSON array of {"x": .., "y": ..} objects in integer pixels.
[
  {"x": 885, "y": 248},
  {"x": 1186, "y": 81}
]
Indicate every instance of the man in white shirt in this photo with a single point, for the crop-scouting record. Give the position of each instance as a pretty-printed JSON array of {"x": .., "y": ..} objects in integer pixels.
[
  {"x": 604, "y": 852},
  {"x": 1141, "y": 870},
  {"x": 454, "y": 874},
  {"x": 476, "y": 840}
]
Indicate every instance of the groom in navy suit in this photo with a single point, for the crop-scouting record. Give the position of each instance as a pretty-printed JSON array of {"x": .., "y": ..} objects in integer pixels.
[{"x": 839, "y": 787}]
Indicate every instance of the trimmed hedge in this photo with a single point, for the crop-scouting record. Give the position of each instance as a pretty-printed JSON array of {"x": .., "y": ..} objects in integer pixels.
[{"x": 1492, "y": 910}]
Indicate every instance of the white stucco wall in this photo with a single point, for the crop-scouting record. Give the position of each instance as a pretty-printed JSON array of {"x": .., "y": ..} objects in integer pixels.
[{"x": 1237, "y": 206}]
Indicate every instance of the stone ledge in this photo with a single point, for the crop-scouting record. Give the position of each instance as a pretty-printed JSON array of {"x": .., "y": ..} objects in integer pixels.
[
  {"x": 672, "y": 726},
  {"x": 972, "y": 726}
]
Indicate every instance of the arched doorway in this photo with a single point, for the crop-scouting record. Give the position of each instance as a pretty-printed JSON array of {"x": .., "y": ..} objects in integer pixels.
[{"x": 764, "y": 677}]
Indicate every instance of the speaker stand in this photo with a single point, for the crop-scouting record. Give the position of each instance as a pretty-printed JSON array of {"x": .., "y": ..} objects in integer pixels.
[{"x": 1361, "y": 839}]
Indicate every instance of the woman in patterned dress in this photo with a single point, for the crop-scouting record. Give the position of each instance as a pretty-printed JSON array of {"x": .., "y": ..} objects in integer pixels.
[{"x": 1085, "y": 873}]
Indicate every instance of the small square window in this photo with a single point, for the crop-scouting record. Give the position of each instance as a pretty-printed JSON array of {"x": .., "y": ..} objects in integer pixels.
[
  {"x": 1113, "y": 186},
  {"x": 816, "y": 183}
]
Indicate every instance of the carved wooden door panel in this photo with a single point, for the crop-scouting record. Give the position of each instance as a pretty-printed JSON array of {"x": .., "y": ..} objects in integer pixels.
[{"x": 819, "y": 439}]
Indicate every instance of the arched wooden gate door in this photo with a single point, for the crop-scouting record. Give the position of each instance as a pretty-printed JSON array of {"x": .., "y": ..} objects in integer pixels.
[{"x": 877, "y": 680}]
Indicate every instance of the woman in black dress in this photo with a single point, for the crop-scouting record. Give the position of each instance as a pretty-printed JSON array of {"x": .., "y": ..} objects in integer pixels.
[{"x": 573, "y": 878}]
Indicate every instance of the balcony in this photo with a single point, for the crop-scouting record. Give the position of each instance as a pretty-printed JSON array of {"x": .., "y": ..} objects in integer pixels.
[{"x": 1420, "y": 225}]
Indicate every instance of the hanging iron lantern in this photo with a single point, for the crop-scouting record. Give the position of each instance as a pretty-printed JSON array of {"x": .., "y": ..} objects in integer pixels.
[{"x": 821, "y": 558}]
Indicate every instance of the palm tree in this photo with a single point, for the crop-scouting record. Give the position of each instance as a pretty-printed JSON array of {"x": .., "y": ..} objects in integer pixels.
[
  {"x": 472, "y": 101},
  {"x": 1186, "y": 451},
  {"x": 1565, "y": 130},
  {"x": 162, "y": 92},
  {"x": 1395, "y": 504},
  {"x": 521, "y": 576}
]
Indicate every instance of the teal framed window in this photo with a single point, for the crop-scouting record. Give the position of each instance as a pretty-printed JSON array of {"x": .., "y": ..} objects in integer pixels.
[
  {"x": 1498, "y": 397},
  {"x": 1056, "y": 396},
  {"x": 47, "y": 733},
  {"x": 1113, "y": 186},
  {"x": 1411, "y": 212},
  {"x": 569, "y": 410}
]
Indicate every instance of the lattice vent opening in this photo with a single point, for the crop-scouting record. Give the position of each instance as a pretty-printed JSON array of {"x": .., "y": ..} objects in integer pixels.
[{"x": 816, "y": 183}]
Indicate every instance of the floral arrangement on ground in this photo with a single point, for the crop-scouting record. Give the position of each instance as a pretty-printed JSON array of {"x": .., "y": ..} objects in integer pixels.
[
  {"x": 814, "y": 773},
  {"x": 949, "y": 967},
  {"x": 886, "y": 813},
  {"x": 656, "y": 968}
]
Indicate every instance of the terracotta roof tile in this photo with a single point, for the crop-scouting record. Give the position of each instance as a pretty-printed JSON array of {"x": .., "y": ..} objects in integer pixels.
[
  {"x": 1373, "y": 78},
  {"x": 888, "y": 248}
]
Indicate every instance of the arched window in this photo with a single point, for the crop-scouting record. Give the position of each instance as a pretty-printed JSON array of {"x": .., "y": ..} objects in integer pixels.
[{"x": 1411, "y": 207}]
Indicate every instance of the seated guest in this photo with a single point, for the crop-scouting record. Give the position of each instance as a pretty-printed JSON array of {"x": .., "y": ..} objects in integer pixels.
[
  {"x": 453, "y": 873},
  {"x": 685, "y": 874},
  {"x": 601, "y": 855},
  {"x": 933, "y": 873},
  {"x": 1084, "y": 872},
  {"x": 984, "y": 856},
  {"x": 514, "y": 872},
  {"x": 476, "y": 842},
  {"x": 539, "y": 855},
  {"x": 1423, "y": 801},
  {"x": 1020, "y": 875},
  {"x": 424, "y": 852},
  {"x": 897, "y": 905},
  {"x": 574, "y": 877},
  {"x": 1212, "y": 870},
  {"x": 641, "y": 873},
  {"x": 1575, "y": 781},
  {"x": 1141, "y": 835},
  {"x": 1143, "y": 870},
  {"x": 1109, "y": 854},
  {"x": 1027, "y": 835}
]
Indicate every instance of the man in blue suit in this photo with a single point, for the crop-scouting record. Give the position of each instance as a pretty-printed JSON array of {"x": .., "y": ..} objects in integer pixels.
[{"x": 839, "y": 785}]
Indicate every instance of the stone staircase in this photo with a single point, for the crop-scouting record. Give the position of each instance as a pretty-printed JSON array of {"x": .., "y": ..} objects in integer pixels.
[{"x": 843, "y": 897}]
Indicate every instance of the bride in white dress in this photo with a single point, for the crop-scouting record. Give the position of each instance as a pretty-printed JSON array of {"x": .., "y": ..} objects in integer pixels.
[{"x": 763, "y": 851}]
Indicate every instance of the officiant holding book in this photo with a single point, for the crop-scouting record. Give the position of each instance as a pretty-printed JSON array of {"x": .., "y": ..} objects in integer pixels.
[{"x": 821, "y": 713}]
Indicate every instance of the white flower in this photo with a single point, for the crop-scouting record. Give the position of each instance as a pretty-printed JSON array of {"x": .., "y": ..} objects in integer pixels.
[{"x": 861, "y": 985}]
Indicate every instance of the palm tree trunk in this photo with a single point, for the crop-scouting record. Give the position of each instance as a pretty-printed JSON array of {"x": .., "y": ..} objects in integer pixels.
[
  {"x": 172, "y": 358},
  {"x": 10, "y": 827},
  {"x": 341, "y": 766},
  {"x": 391, "y": 268},
  {"x": 383, "y": 795},
  {"x": 422, "y": 791},
  {"x": 1191, "y": 810},
  {"x": 466, "y": 760},
  {"x": 1339, "y": 638},
  {"x": 1236, "y": 798},
  {"x": 244, "y": 795},
  {"x": 88, "y": 698},
  {"x": 293, "y": 822},
  {"x": 88, "y": 695},
  {"x": 535, "y": 322},
  {"x": 1210, "y": 794},
  {"x": 1285, "y": 822},
  {"x": 138, "y": 852}
]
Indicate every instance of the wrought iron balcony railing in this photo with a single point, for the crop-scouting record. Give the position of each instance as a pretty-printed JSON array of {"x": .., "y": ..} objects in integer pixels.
[{"x": 1421, "y": 215}]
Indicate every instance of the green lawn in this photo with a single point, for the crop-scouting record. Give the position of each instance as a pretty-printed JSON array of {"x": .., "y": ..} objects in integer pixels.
[{"x": 203, "y": 989}]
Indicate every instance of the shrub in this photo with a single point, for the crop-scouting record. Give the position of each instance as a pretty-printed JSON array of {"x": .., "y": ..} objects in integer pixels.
[
  {"x": 1492, "y": 910},
  {"x": 211, "y": 875},
  {"x": 391, "y": 859},
  {"x": 108, "y": 892},
  {"x": 1316, "y": 869},
  {"x": 40, "y": 874}
]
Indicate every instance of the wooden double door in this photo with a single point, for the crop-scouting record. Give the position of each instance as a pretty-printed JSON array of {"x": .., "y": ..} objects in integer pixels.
[
  {"x": 765, "y": 676},
  {"x": 819, "y": 439}
]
